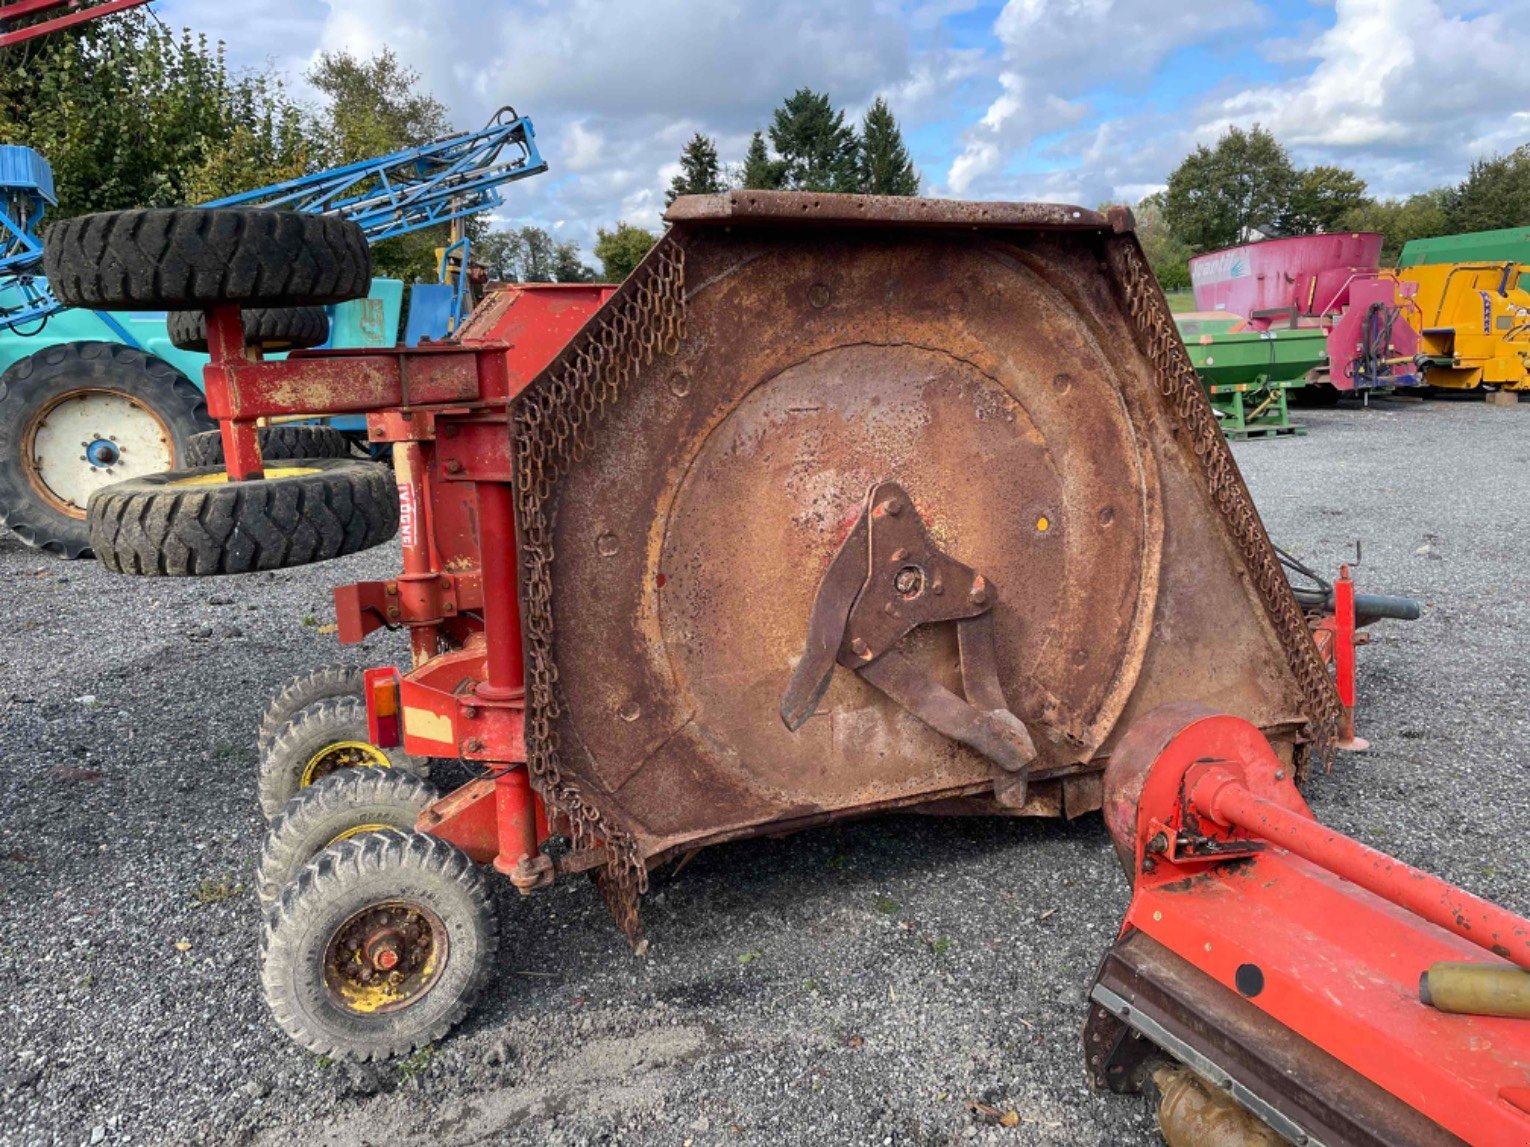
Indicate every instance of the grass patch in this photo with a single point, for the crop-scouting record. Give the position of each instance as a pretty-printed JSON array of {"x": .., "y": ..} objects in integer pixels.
[
  {"x": 885, "y": 905},
  {"x": 215, "y": 891},
  {"x": 417, "y": 1062},
  {"x": 1181, "y": 302}
]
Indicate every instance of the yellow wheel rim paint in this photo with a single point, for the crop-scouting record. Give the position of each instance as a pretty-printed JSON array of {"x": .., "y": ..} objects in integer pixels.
[
  {"x": 342, "y": 755},
  {"x": 272, "y": 474},
  {"x": 385, "y": 957},
  {"x": 358, "y": 830}
]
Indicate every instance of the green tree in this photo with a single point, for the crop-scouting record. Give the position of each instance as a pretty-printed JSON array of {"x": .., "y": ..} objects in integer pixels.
[
  {"x": 529, "y": 255},
  {"x": 1323, "y": 196},
  {"x": 818, "y": 149},
  {"x": 1494, "y": 194},
  {"x": 373, "y": 107},
  {"x": 884, "y": 163},
  {"x": 700, "y": 171},
  {"x": 760, "y": 172},
  {"x": 1420, "y": 216},
  {"x": 1217, "y": 195},
  {"x": 1167, "y": 255},
  {"x": 621, "y": 250},
  {"x": 130, "y": 114}
]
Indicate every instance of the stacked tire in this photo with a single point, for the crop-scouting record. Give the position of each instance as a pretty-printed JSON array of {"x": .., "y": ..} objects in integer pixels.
[{"x": 314, "y": 503}]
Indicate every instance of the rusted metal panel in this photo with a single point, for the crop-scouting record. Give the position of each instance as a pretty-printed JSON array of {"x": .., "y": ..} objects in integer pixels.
[
  {"x": 773, "y": 208},
  {"x": 680, "y": 507}
]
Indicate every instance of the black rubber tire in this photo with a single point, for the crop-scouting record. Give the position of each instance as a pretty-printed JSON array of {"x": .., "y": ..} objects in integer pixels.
[
  {"x": 326, "y": 683},
  {"x": 336, "y": 807},
  {"x": 269, "y": 328},
  {"x": 187, "y": 258},
  {"x": 375, "y": 869},
  {"x": 282, "y": 443},
  {"x": 31, "y": 385},
  {"x": 164, "y": 525},
  {"x": 327, "y": 722}
]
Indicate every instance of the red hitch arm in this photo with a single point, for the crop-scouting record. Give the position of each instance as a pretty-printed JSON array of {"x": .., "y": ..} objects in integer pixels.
[{"x": 1228, "y": 802}]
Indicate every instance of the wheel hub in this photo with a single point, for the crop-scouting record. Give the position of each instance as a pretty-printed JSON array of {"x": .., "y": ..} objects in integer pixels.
[
  {"x": 87, "y": 439},
  {"x": 342, "y": 755},
  {"x": 385, "y": 957}
]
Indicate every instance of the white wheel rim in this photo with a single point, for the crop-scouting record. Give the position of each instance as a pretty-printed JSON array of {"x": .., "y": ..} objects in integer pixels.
[{"x": 88, "y": 439}]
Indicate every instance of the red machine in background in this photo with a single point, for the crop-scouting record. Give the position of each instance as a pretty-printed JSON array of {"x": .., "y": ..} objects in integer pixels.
[{"x": 1331, "y": 282}]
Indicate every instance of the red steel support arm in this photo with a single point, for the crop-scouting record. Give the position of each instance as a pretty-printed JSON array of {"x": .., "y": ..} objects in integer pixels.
[
  {"x": 1224, "y": 798},
  {"x": 22, "y": 8}
]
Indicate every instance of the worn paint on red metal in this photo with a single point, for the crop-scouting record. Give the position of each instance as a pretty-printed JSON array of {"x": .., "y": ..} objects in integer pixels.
[
  {"x": 1336, "y": 963},
  {"x": 83, "y": 10}
]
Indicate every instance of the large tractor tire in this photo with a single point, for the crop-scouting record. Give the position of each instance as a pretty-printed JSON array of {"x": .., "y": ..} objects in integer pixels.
[
  {"x": 194, "y": 523},
  {"x": 341, "y": 806},
  {"x": 379, "y": 946},
  {"x": 188, "y": 258},
  {"x": 78, "y": 417},
  {"x": 282, "y": 443},
  {"x": 271, "y": 329}
]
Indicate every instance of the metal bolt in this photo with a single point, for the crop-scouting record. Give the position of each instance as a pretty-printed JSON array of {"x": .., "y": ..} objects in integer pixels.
[
  {"x": 446, "y": 582},
  {"x": 979, "y": 592},
  {"x": 890, "y": 609},
  {"x": 898, "y": 556},
  {"x": 860, "y": 649},
  {"x": 472, "y": 745},
  {"x": 453, "y": 466},
  {"x": 892, "y": 507},
  {"x": 390, "y": 589},
  {"x": 909, "y": 581},
  {"x": 470, "y": 711},
  {"x": 1280, "y": 774}
]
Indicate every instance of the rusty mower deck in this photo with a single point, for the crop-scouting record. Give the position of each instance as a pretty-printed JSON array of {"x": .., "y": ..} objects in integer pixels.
[{"x": 838, "y": 504}]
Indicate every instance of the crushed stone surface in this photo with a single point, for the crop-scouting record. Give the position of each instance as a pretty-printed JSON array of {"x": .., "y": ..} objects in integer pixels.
[{"x": 862, "y": 983}]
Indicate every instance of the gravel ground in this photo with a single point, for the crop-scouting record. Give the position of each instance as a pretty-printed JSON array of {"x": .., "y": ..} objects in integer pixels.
[{"x": 856, "y": 984}]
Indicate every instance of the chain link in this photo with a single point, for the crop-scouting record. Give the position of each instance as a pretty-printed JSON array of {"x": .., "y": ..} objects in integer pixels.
[
  {"x": 1181, "y": 388},
  {"x": 555, "y": 421}
]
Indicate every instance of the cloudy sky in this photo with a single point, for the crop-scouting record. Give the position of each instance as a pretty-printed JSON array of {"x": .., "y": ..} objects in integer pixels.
[{"x": 1074, "y": 100}]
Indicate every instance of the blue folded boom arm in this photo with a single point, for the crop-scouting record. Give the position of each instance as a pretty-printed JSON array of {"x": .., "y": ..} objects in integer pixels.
[{"x": 449, "y": 178}]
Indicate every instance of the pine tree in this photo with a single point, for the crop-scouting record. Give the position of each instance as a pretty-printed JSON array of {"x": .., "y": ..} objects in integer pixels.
[
  {"x": 817, "y": 148},
  {"x": 885, "y": 166},
  {"x": 700, "y": 171},
  {"x": 760, "y": 173}
]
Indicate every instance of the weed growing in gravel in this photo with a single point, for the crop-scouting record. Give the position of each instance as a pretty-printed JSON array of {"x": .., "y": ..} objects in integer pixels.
[
  {"x": 310, "y": 621},
  {"x": 941, "y": 946},
  {"x": 885, "y": 905},
  {"x": 214, "y": 891},
  {"x": 417, "y": 1062},
  {"x": 749, "y": 957}
]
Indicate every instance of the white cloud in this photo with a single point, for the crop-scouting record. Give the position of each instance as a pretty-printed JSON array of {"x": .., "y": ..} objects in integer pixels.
[
  {"x": 1407, "y": 90},
  {"x": 1055, "y": 52}
]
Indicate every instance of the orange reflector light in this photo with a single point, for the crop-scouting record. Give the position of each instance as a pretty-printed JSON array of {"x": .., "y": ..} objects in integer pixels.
[{"x": 385, "y": 697}]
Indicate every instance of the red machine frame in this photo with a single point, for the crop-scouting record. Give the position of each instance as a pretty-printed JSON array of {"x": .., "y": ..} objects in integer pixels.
[
  {"x": 1245, "y": 910},
  {"x": 444, "y": 410}
]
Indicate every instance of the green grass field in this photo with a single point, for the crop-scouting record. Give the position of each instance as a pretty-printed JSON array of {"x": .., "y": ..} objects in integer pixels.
[{"x": 1181, "y": 301}]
